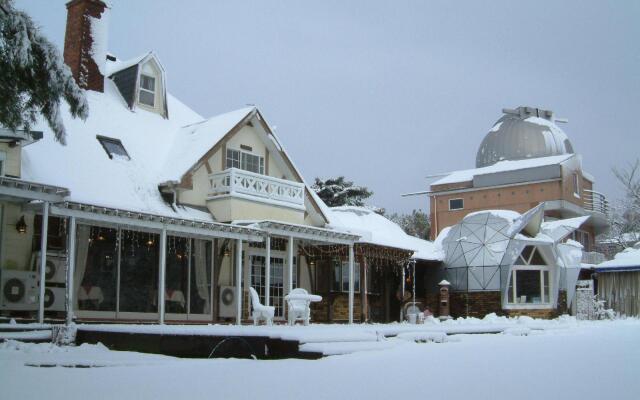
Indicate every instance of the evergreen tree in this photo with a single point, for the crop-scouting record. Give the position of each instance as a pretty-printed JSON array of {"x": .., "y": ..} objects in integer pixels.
[
  {"x": 415, "y": 224},
  {"x": 338, "y": 191},
  {"x": 33, "y": 77}
]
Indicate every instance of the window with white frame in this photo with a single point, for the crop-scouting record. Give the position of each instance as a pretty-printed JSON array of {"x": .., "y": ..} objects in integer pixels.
[
  {"x": 147, "y": 92},
  {"x": 456, "y": 204},
  {"x": 341, "y": 277},
  {"x": 529, "y": 282},
  {"x": 245, "y": 161}
]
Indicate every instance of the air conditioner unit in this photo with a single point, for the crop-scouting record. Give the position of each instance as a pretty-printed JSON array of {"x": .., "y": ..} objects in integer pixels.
[
  {"x": 54, "y": 298},
  {"x": 56, "y": 266},
  {"x": 227, "y": 300},
  {"x": 18, "y": 290}
]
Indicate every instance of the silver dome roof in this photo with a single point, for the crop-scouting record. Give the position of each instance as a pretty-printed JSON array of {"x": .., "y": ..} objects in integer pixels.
[{"x": 525, "y": 132}]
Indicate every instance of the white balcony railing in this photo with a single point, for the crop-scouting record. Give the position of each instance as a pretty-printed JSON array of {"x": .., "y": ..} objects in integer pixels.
[
  {"x": 592, "y": 257},
  {"x": 235, "y": 181},
  {"x": 596, "y": 202}
]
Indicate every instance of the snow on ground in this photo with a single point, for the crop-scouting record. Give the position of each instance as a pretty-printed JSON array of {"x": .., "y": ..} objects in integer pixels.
[{"x": 578, "y": 360}]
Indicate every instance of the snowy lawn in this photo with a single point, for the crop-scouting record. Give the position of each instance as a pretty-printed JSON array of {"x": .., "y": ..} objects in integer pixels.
[{"x": 586, "y": 360}]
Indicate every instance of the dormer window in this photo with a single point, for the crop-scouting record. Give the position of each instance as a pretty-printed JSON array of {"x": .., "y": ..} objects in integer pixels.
[
  {"x": 147, "y": 95},
  {"x": 113, "y": 147}
]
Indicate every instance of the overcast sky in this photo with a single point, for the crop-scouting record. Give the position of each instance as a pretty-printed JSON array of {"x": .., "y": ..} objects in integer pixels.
[{"x": 387, "y": 93}]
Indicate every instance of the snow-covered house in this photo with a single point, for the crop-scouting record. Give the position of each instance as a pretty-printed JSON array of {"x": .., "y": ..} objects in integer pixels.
[{"x": 155, "y": 213}]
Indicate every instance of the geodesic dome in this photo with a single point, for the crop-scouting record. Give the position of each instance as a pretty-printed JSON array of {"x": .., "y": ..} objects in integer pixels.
[{"x": 477, "y": 246}]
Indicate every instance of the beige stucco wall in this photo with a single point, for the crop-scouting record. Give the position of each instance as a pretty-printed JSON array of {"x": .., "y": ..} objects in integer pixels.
[
  {"x": 227, "y": 209},
  {"x": 12, "y": 160},
  {"x": 15, "y": 250}
]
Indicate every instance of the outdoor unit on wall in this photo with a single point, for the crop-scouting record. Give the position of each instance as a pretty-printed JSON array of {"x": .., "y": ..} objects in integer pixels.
[
  {"x": 227, "y": 300},
  {"x": 54, "y": 298},
  {"x": 56, "y": 266},
  {"x": 18, "y": 290}
]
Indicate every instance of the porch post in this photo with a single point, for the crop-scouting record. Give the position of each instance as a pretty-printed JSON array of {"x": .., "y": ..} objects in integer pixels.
[
  {"x": 238, "y": 281},
  {"x": 290, "y": 280},
  {"x": 267, "y": 273},
  {"x": 163, "y": 271},
  {"x": 351, "y": 283},
  {"x": 364, "y": 289},
  {"x": 43, "y": 258},
  {"x": 71, "y": 265}
]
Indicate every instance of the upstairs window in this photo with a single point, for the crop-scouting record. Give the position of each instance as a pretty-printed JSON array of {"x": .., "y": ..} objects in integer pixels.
[
  {"x": 576, "y": 185},
  {"x": 113, "y": 147},
  {"x": 147, "y": 95},
  {"x": 245, "y": 161},
  {"x": 456, "y": 204}
]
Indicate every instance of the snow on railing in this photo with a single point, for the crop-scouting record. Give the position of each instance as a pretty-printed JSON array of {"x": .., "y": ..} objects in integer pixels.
[
  {"x": 592, "y": 257},
  {"x": 595, "y": 201},
  {"x": 235, "y": 181}
]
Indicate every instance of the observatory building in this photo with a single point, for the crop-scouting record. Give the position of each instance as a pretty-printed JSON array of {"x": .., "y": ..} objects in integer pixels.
[{"x": 524, "y": 160}]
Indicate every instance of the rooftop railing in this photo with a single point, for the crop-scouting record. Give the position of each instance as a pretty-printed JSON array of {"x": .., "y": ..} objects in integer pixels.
[{"x": 596, "y": 202}]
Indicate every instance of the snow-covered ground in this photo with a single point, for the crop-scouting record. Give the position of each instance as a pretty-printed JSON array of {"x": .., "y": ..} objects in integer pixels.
[{"x": 563, "y": 360}]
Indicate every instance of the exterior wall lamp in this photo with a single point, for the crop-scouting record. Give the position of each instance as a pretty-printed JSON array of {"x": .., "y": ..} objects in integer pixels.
[{"x": 21, "y": 225}]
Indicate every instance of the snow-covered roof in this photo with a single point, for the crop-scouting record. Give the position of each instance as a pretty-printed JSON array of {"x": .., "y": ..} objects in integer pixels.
[
  {"x": 375, "y": 229},
  {"x": 86, "y": 170},
  {"x": 626, "y": 260},
  {"x": 117, "y": 66},
  {"x": 501, "y": 166},
  {"x": 193, "y": 141}
]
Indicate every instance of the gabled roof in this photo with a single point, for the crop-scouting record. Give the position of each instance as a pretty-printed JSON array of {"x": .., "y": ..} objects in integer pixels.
[{"x": 193, "y": 141}]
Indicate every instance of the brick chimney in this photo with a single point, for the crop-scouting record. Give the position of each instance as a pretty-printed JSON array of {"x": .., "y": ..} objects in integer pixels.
[{"x": 85, "y": 42}]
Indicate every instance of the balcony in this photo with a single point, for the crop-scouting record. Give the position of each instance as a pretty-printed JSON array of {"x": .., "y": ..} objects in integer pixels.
[
  {"x": 251, "y": 186},
  {"x": 596, "y": 202}
]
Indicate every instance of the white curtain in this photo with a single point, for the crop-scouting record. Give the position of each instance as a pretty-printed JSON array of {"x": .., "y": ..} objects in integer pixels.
[
  {"x": 200, "y": 268},
  {"x": 82, "y": 250}
]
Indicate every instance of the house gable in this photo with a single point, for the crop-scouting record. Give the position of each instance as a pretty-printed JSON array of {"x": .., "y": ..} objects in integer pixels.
[{"x": 251, "y": 135}]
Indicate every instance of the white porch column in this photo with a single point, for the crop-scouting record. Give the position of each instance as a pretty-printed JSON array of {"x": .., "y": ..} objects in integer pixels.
[
  {"x": 71, "y": 265},
  {"x": 163, "y": 273},
  {"x": 352, "y": 279},
  {"x": 238, "y": 281},
  {"x": 267, "y": 273},
  {"x": 290, "y": 280},
  {"x": 43, "y": 258}
]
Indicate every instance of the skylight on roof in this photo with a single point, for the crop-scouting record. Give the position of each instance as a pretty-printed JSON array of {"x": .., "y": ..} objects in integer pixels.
[{"x": 113, "y": 147}]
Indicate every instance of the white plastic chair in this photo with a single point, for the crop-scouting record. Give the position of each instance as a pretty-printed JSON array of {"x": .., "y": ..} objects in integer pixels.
[
  {"x": 260, "y": 311},
  {"x": 299, "y": 300}
]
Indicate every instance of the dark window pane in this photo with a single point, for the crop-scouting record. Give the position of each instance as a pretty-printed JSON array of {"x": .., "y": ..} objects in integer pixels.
[
  {"x": 96, "y": 273},
  {"x": 200, "y": 277},
  {"x": 456, "y": 204},
  {"x": 148, "y": 82},
  {"x": 147, "y": 98},
  {"x": 177, "y": 275},
  {"x": 528, "y": 288},
  {"x": 113, "y": 147},
  {"x": 139, "y": 272}
]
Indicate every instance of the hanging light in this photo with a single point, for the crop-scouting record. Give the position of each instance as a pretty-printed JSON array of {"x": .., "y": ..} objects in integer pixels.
[
  {"x": 21, "y": 225},
  {"x": 226, "y": 251}
]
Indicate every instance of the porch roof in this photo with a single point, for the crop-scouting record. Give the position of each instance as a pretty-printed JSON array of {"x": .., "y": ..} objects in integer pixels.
[
  {"x": 153, "y": 221},
  {"x": 306, "y": 232},
  {"x": 15, "y": 188}
]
